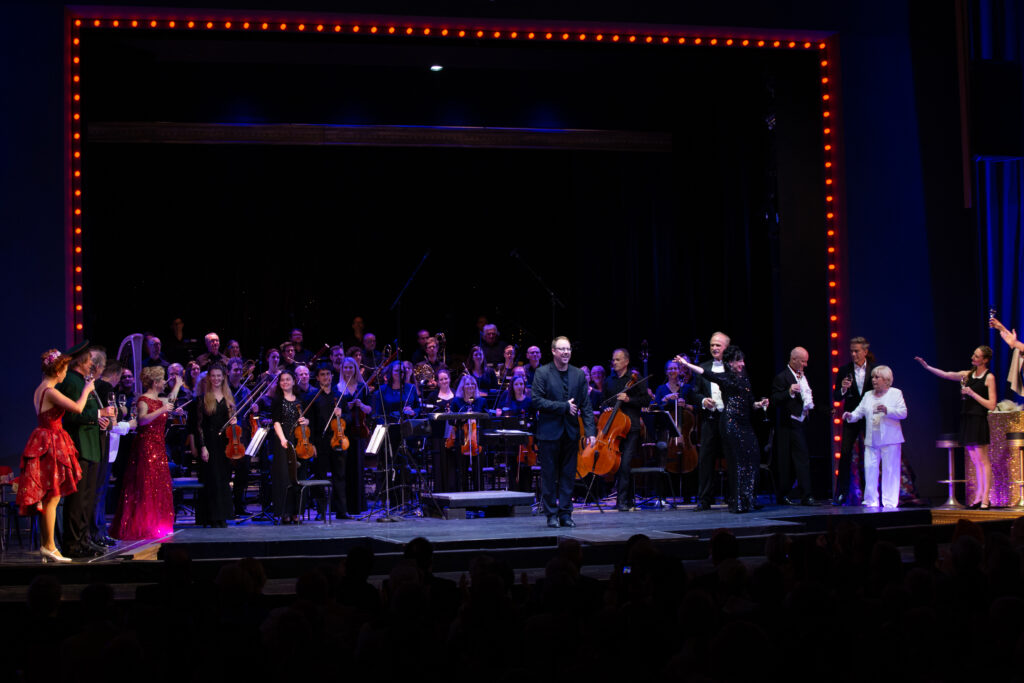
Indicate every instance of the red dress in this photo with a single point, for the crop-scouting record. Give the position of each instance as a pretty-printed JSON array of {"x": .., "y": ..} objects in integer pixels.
[
  {"x": 49, "y": 463},
  {"x": 146, "y": 507}
]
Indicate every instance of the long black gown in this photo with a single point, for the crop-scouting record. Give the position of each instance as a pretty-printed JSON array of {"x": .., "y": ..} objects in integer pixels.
[
  {"x": 742, "y": 450},
  {"x": 215, "y": 504}
]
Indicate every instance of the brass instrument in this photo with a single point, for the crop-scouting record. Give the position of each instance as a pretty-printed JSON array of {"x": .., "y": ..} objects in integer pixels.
[{"x": 423, "y": 373}]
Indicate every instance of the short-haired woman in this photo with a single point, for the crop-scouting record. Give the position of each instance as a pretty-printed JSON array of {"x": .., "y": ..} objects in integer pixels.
[{"x": 883, "y": 439}]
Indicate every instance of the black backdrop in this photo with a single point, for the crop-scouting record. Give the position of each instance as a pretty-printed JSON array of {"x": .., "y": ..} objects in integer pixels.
[{"x": 252, "y": 240}]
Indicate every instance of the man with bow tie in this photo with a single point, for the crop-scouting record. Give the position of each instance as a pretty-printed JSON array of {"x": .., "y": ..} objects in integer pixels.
[{"x": 791, "y": 394}]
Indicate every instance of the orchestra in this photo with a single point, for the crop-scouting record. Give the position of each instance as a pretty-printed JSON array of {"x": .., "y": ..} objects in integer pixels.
[{"x": 459, "y": 420}]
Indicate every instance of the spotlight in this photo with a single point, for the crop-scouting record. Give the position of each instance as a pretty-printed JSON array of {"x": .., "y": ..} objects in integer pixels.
[{"x": 436, "y": 67}]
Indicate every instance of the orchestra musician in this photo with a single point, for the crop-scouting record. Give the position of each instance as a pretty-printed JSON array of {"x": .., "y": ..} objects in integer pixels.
[
  {"x": 397, "y": 399},
  {"x": 330, "y": 461},
  {"x": 355, "y": 407},
  {"x": 492, "y": 346},
  {"x": 631, "y": 404},
  {"x": 532, "y": 363},
  {"x": 486, "y": 381},
  {"x": 285, "y": 411},
  {"x": 302, "y": 355},
  {"x": 445, "y": 476},
  {"x": 420, "y": 354},
  {"x": 597, "y": 378},
  {"x": 467, "y": 400},
  {"x": 234, "y": 349},
  {"x": 518, "y": 404},
  {"x": 559, "y": 391},
  {"x": 213, "y": 354},
  {"x": 216, "y": 404},
  {"x": 240, "y": 467}
]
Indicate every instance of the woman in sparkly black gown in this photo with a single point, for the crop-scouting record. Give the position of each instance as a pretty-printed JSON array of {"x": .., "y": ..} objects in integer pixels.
[{"x": 742, "y": 450}]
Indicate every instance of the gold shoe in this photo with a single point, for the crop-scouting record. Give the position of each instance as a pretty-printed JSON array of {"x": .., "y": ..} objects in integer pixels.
[{"x": 52, "y": 556}]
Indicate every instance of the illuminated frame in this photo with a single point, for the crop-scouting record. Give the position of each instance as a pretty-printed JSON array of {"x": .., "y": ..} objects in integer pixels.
[{"x": 664, "y": 37}]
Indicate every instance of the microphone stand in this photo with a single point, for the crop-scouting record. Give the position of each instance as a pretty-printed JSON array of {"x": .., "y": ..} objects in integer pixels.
[
  {"x": 555, "y": 301},
  {"x": 396, "y": 304}
]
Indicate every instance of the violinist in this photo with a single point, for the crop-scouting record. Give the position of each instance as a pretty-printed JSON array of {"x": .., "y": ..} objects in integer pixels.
[
  {"x": 273, "y": 359},
  {"x": 216, "y": 403},
  {"x": 397, "y": 400},
  {"x": 486, "y": 381},
  {"x": 239, "y": 467},
  {"x": 285, "y": 409},
  {"x": 518, "y": 404},
  {"x": 337, "y": 355},
  {"x": 445, "y": 476},
  {"x": 467, "y": 400},
  {"x": 676, "y": 388},
  {"x": 355, "y": 409},
  {"x": 324, "y": 424},
  {"x": 631, "y": 404}
]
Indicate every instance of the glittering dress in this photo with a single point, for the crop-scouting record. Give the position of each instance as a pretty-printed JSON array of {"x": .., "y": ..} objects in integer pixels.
[
  {"x": 49, "y": 463},
  {"x": 146, "y": 506},
  {"x": 742, "y": 450}
]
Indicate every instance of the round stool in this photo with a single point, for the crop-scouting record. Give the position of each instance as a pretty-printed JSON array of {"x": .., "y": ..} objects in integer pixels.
[
  {"x": 1016, "y": 440},
  {"x": 950, "y": 442}
]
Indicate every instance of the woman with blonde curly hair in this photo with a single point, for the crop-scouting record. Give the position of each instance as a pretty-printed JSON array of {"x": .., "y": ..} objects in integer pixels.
[{"x": 146, "y": 507}]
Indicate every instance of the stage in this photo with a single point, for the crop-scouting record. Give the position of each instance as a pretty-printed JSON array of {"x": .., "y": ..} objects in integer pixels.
[{"x": 524, "y": 541}]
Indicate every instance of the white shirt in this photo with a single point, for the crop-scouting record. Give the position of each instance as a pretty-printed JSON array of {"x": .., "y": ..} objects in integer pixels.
[
  {"x": 860, "y": 373},
  {"x": 805, "y": 394},
  {"x": 716, "y": 392}
]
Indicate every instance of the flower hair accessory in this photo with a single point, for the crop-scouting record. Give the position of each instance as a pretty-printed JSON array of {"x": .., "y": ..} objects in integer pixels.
[{"x": 51, "y": 357}]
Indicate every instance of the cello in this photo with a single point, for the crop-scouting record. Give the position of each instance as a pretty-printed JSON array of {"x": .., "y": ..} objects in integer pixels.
[{"x": 605, "y": 456}]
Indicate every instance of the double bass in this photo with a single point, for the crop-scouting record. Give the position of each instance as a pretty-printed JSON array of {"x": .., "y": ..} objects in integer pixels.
[{"x": 605, "y": 455}]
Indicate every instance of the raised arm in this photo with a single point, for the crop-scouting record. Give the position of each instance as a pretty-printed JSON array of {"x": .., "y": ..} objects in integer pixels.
[
  {"x": 693, "y": 368},
  {"x": 61, "y": 401},
  {"x": 1008, "y": 336},
  {"x": 952, "y": 376}
]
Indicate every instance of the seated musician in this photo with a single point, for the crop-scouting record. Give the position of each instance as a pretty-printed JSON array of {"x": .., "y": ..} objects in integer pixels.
[
  {"x": 492, "y": 346},
  {"x": 486, "y": 381},
  {"x": 676, "y": 388},
  {"x": 532, "y": 363},
  {"x": 518, "y": 404},
  {"x": 597, "y": 377},
  {"x": 467, "y": 397},
  {"x": 506, "y": 367},
  {"x": 397, "y": 399}
]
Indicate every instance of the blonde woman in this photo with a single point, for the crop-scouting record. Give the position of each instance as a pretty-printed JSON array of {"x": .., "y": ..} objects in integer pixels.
[{"x": 883, "y": 438}]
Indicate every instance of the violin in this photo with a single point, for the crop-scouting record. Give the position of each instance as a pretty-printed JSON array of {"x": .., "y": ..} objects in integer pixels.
[
  {"x": 470, "y": 440},
  {"x": 605, "y": 456},
  {"x": 528, "y": 453},
  {"x": 234, "y": 449},
  {"x": 339, "y": 441},
  {"x": 303, "y": 446}
]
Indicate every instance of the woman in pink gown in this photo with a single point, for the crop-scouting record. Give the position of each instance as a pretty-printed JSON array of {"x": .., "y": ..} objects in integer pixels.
[
  {"x": 49, "y": 463},
  {"x": 146, "y": 507}
]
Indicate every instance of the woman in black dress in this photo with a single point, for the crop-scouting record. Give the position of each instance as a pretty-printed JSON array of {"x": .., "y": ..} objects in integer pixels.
[
  {"x": 978, "y": 390},
  {"x": 486, "y": 380},
  {"x": 285, "y": 411},
  {"x": 743, "y": 452},
  {"x": 215, "y": 405}
]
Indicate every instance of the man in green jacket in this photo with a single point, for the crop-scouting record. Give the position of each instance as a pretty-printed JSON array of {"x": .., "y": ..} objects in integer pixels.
[{"x": 84, "y": 429}]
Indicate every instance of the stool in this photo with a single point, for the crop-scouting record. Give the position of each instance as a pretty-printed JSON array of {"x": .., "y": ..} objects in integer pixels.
[
  {"x": 950, "y": 442},
  {"x": 179, "y": 485},
  {"x": 306, "y": 484},
  {"x": 639, "y": 471},
  {"x": 1016, "y": 440}
]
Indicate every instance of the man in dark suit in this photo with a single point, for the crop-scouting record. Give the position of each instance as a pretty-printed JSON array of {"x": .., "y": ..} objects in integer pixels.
[
  {"x": 633, "y": 399},
  {"x": 852, "y": 380},
  {"x": 709, "y": 396},
  {"x": 560, "y": 394},
  {"x": 84, "y": 429},
  {"x": 792, "y": 398}
]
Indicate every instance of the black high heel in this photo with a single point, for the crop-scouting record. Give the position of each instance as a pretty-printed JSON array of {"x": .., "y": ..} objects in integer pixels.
[{"x": 976, "y": 506}]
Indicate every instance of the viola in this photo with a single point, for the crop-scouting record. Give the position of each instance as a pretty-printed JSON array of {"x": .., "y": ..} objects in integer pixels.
[
  {"x": 605, "y": 455},
  {"x": 339, "y": 441}
]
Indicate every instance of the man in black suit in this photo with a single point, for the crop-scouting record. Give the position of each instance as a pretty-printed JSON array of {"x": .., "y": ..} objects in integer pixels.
[
  {"x": 792, "y": 398},
  {"x": 852, "y": 380},
  {"x": 709, "y": 396},
  {"x": 559, "y": 391}
]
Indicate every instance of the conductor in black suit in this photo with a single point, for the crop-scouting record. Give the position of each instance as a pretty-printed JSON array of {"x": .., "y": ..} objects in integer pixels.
[
  {"x": 791, "y": 395},
  {"x": 559, "y": 390},
  {"x": 852, "y": 380}
]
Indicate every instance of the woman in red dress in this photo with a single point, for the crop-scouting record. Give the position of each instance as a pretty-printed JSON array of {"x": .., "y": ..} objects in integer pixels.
[
  {"x": 146, "y": 507},
  {"x": 49, "y": 463}
]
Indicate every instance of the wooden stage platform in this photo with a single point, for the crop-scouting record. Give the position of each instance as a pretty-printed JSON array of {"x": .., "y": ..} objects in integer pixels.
[{"x": 523, "y": 540}]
